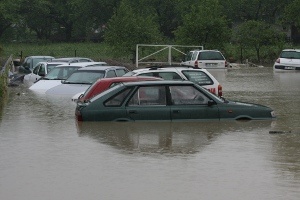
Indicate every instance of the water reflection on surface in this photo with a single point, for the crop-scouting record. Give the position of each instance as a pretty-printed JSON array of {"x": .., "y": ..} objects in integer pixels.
[{"x": 46, "y": 154}]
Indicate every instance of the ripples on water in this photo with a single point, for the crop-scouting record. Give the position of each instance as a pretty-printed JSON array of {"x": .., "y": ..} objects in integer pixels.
[{"x": 46, "y": 154}]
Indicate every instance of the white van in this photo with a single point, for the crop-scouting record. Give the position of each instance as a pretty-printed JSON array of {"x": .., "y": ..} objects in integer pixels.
[{"x": 206, "y": 59}]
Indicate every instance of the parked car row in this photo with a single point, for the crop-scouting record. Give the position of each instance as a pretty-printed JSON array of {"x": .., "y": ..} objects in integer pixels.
[{"x": 172, "y": 93}]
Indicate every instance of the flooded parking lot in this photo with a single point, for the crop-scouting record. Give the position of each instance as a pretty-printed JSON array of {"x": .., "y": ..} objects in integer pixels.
[{"x": 45, "y": 154}]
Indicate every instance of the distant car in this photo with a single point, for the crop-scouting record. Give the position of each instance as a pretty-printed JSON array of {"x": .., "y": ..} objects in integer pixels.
[
  {"x": 72, "y": 59},
  {"x": 200, "y": 76},
  {"x": 165, "y": 101},
  {"x": 59, "y": 73},
  {"x": 105, "y": 83},
  {"x": 289, "y": 60},
  {"x": 206, "y": 59},
  {"x": 82, "y": 78},
  {"x": 39, "y": 71},
  {"x": 31, "y": 61}
]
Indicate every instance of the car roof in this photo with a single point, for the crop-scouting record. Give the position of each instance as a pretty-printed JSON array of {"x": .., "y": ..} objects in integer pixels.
[
  {"x": 83, "y": 64},
  {"x": 128, "y": 78},
  {"x": 103, "y": 67},
  {"x": 298, "y": 50},
  {"x": 162, "y": 82},
  {"x": 170, "y": 68},
  {"x": 66, "y": 59},
  {"x": 40, "y": 56}
]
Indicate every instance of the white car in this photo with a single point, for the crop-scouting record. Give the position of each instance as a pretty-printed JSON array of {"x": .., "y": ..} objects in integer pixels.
[
  {"x": 289, "y": 60},
  {"x": 59, "y": 73},
  {"x": 83, "y": 78},
  {"x": 39, "y": 71},
  {"x": 206, "y": 59},
  {"x": 199, "y": 76}
]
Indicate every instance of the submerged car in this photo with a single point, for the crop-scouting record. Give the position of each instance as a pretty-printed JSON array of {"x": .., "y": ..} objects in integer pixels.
[
  {"x": 31, "y": 61},
  {"x": 165, "y": 101},
  {"x": 206, "y": 59},
  {"x": 59, "y": 73},
  {"x": 289, "y": 60},
  {"x": 105, "y": 83},
  {"x": 81, "y": 79},
  {"x": 39, "y": 71},
  {"x": 199, "y": 76}
]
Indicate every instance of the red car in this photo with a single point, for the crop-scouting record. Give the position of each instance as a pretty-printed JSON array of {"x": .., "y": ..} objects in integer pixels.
[{"x": 105, "y": 83}]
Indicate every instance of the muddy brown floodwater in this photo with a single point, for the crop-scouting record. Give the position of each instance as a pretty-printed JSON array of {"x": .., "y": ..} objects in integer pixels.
[{"x": 45, "y": 154}]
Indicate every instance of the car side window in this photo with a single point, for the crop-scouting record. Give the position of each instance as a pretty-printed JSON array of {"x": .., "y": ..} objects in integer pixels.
[
  {"x": 194, "y": 56},
  {"x": 110, "y": 74},
  {"x": 120, "y": 72},
  {"x": 36, "y": 69},
  {"x": 187, "y": 95},
  {"x": 118, "y": 99},
  {"x": 198, "y": 77},
  {"x": 149, "y": 96},
  {"x": 42, "y": 70}
]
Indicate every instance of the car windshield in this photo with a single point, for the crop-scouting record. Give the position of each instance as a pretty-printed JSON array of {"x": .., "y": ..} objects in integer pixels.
[
  {"x": 129, "y": 73},
  {"x": 198, "y": 77},
  {"x": 51, "y": 66},
  {"x": 60, "y": 73},
  {"x": 85, "y": 77},
  {"x": 37, "y": 60},
  {"x": 210, "y": 55},
  {"x": 290, "y": 54}
]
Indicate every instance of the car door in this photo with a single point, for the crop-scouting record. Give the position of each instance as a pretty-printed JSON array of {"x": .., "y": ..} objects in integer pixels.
[
  {"x": 189, "y": 103},
  {"x": 149, "y": 103},
  {"x": 34, "y": 74}
]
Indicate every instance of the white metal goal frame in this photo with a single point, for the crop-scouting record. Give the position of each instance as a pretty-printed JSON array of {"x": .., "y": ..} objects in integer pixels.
[{"x": 168, "y": 48}]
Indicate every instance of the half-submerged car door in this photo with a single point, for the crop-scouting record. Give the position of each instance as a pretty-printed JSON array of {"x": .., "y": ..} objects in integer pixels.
[
  {"x": 189, "y": 103},
  {"x": 149, "y": 103}
]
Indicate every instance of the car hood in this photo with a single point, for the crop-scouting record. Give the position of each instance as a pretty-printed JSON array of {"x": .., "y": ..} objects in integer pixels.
[
  {"x": 68, "y": 89},
  {"x": 243, "y": 104},
  {"x": 44, "y": 85}
]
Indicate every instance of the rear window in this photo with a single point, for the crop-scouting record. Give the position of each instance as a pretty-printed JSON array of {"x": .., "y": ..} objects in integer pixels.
[
  {"x": 290, "y": 54},
  {"x": 163, "y": 75},
  {"x": 210, "y": 55},
  {"x": 198, "y": 77}
]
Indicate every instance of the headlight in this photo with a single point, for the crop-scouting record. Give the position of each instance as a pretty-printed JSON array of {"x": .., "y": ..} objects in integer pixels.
[{"x": 273, "y": 114}]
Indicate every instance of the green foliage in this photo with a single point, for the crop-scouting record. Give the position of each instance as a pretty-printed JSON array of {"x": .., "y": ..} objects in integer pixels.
[
  {"x": 255, "y": 35},
  {"x": 127, "y": 28},
  {"x": 205, "y": 25}
]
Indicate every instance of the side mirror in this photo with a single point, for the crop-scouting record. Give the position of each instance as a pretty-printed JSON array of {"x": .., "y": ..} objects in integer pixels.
[{"x": 211, "y": 102}]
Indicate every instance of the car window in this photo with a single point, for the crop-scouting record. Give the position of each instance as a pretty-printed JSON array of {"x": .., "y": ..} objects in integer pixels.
[
  {"x": 121, "y": 72},
  {"x": 61, "y": 73},
  {"x": 210, "y": 55},
  {"x": 110, "y": 74},
  {"x": 85, "y": 76},
  {"x": 36, "y": 69},
  {"x": 194, "y": 55},
  {"x": 42, "y": 70},
  {"x": 187, "y": 95},
  {"x": 163, "y": 75},
  {"x": 51, "y": 66},
  {"x": 118, "y": 99},
  {"x": 290, "y": 54},
  {"x": 199, "y": 77},
  {"x": 188, "y": 56},
  {"x": 154, "y": 95}
]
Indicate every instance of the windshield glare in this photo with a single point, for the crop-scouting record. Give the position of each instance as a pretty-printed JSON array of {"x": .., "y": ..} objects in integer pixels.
[
  {"x": 85, "y": 77},
  {"x": 60, "y": 73}
]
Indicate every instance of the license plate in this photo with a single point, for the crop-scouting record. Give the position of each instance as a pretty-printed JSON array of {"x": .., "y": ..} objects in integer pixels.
[
  {"x": 211, "y": 64},
  {"x": 290, "y": 68}
]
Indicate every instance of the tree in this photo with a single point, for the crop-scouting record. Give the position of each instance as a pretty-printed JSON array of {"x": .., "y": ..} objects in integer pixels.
[
  {"x": 256, "y": 34},
  {"x": 204, "y": 25},
  {"x": 127, "y": 28},
  {"x": 7, "y": 9}
]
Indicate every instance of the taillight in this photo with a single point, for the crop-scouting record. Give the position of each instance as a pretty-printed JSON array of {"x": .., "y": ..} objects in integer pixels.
[
  {"x": 196, "y": 64},
  {"x": 226, "y": 63},
  {"x": 278, "y": 60},
  {"x": 220, "y": 92}
]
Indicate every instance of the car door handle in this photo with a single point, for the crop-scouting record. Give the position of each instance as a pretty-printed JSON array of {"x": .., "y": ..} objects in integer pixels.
[
  {"x": 132, "y": 112},
  {"x": 176, "y": 111}
]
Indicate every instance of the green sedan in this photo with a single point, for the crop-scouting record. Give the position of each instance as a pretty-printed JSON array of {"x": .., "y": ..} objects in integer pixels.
[{"x": 165, "y": 101}]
